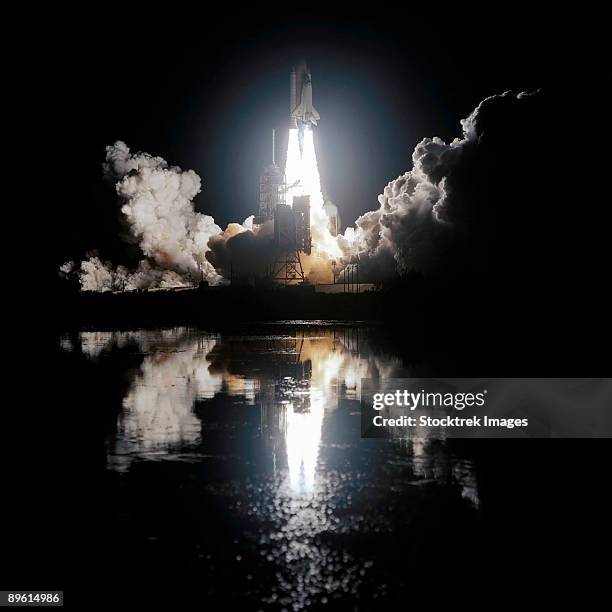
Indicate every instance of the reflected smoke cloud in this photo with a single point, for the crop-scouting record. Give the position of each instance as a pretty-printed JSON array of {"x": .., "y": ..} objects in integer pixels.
[
  {"x": 193, "y": 394},
  {"x": 306, "y": 375}
]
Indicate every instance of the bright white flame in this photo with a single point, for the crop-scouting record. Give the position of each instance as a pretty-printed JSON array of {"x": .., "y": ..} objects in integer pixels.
[
  {"x": 302, "y": 176},
  {"x": 293, "y": 168},
  {"x": 303, "y": 438},
  {"x": 303, "y": 433}
]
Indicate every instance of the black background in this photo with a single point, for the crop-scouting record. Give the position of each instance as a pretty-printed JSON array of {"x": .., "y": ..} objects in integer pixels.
[{"x": 203, "y": 91}]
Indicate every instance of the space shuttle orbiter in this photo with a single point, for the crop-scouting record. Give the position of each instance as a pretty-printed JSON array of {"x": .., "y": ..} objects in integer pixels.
[{"x": 302, "y": 112}]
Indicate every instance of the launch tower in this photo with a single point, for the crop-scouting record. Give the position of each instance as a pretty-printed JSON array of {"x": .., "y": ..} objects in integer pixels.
[
  {"x": 288, "y": 205},
  {"x": 291, "y": 237},
  {"x": 272, "y": 189}
]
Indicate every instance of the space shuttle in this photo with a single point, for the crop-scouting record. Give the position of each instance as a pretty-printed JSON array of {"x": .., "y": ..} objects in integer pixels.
[{"x": 301, "y": 111}]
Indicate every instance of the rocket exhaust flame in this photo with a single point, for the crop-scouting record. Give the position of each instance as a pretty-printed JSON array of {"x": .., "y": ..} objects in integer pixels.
[
  {"x": 182, "y": 247},
  {"x": 302, "y": 173},
  {"x": 421, "y": 223}
]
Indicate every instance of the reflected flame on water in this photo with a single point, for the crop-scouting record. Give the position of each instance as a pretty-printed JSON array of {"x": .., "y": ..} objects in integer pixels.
[
  {"x": 299, "y": 382},
  {"x": 312, "y": 372},
  {"x": 302, "y": 440}
]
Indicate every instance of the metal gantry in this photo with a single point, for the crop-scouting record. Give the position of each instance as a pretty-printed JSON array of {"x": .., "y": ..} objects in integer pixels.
[
  {"x": 287, "y": 268},
  {"x": 350, "y": 278}
]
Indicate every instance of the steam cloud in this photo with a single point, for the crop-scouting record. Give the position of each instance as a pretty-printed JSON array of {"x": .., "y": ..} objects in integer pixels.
[
  {"x": 463, "y": 207},
  {"x": 157, "y": 209},
  {"x": 428, "y": 218},
  {"x": 497, "y": 203},
  {"x": 242, "y": 249}
]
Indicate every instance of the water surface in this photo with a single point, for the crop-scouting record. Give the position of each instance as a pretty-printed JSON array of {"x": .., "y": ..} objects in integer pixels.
[{"x": 234, "y": 461}]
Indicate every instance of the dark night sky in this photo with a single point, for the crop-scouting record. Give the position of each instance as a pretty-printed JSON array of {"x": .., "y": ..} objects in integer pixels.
[
  {"x": 205, "y": 95},
  {"x": 204, "y": 91}
]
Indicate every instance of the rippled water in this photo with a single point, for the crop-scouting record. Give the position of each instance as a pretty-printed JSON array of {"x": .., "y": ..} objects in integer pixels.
[{"x": 236, "y": 461}]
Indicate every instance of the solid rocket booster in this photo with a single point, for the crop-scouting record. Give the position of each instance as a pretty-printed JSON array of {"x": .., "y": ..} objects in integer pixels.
[
  {"x": 301, "y": 111},
  {"x": 292, "y": 98}
]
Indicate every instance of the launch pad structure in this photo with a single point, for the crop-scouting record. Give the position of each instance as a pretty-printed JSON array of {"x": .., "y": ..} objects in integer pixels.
[
  {"x": 272, "y": 188},
  {"x": 291, "y": 220},
  {"x": 291, "y": 224},
  {"x": 291, "y": 237}
]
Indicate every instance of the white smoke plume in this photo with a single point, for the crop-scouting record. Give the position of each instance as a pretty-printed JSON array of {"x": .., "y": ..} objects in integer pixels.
[
  {"x": 408, "y": 225},
  {"x": 242, "y": 249},
  {"x": 454, "y": 210},
  {"x": 96, "y": 275},
  {"x": 157, "y": 209},
  {"x": 426, "y": 216}
]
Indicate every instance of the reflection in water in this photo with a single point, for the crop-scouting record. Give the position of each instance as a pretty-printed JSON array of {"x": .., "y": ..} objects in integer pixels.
[
  {"x": 299, "y": 382},
  {"x": 157, "y": 416},
  {"x": 158, "y": 408}
]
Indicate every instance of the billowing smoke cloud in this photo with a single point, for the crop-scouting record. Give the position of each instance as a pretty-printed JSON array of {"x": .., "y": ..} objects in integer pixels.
[
  {"x": 242, "y": 249},
  {"x": 493, "y": 202},
  {"x": 247, "y": 250},
  {"x": 158, "y": 214},
  {"x": 481, "y": 204},
  {"x": 425, "y": 215},
  {"x": 180, "y": 246}
]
